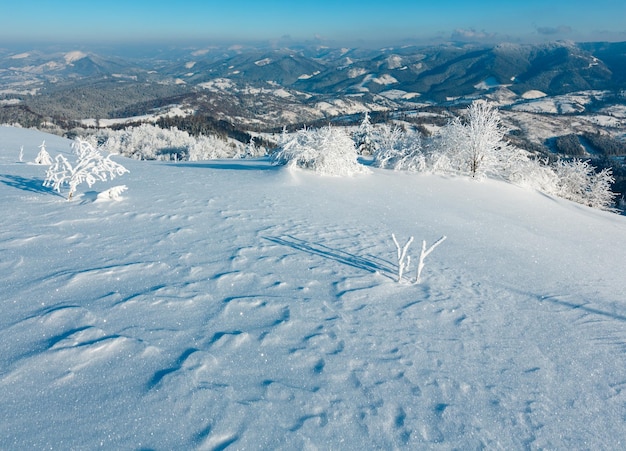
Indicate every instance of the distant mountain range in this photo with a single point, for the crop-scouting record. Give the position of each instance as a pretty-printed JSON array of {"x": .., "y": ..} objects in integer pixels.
[{"x": 270, "y": 87}]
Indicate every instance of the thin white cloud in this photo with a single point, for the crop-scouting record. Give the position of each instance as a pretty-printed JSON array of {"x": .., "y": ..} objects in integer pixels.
[
  {"x": 472, "y": 35},
  {"x": 550, "y": 31}
]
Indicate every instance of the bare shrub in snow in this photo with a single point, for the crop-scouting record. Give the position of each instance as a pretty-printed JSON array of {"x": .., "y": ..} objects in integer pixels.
[
  {"x": 90, "y": 166},
  {"x": 327, "y": 151},
  {"x": 43, "y": 157},
  {"x": 404, "y": 260}
]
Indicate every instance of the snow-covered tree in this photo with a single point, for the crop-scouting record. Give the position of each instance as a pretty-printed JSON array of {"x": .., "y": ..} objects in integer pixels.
[
  {"x": 43, "y": 157},
  {"x": 252, "y": 150},
  {"x": 399, "y": 150},
  {"x": 149, "y": 142},
  {"x": 327, "y": 151},
  {"x": 90, "y": 166},
  {"x": 475, "y": 145},
  {"x": 363, "y": 136}
]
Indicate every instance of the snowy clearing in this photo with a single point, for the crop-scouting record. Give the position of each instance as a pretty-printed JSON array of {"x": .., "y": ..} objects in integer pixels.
[{"x": 233, "y": 304}]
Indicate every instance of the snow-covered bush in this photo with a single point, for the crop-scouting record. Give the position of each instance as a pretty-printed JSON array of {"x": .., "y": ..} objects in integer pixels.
[
  {"x": 90, "y": 166},
  {"x": 399, "y": 150},
  {"x": 536, "y": 174},
  {"x": 113, "y": 193},
  {"x": 327, "y": 151},
  {"x": 149, "y": 142},
  {"x": 43, "y": 157},
  {"x": 578, "y": 181}
]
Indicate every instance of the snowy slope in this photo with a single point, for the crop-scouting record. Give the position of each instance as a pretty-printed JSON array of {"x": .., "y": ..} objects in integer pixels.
[{"x": 232, "y": 304}]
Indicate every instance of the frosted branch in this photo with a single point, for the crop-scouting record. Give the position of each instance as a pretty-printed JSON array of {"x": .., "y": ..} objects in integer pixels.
[
  {"x": 404, "y": 261},
  {"x": 425, "y": 252}
]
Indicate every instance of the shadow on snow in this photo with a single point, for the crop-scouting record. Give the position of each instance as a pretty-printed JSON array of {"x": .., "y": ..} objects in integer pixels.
[
  {"x": 583, "y": 307},
  {"x": 231, "y": 164},
  {"x": 371, "y": 263},
  {"x": 33, "y": 185}
]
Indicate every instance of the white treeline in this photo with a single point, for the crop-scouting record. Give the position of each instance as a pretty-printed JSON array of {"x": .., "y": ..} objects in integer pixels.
[
  {"x": 149, "y": 142},
  {"x": 474, "y": 146},
  {"x": 327, "y": 151}
]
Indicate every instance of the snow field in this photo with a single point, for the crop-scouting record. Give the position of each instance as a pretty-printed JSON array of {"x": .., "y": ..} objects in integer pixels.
[{"x": 236, "y": 305}]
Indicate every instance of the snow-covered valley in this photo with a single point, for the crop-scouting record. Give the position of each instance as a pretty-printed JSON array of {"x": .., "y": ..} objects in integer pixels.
[{"x": 232, "y": 304}]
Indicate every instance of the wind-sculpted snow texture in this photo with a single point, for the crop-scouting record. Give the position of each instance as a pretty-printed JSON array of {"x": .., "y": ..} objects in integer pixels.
[{"x": 240, "y": 305}]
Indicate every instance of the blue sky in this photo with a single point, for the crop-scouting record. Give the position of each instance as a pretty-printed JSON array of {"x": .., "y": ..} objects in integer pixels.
[{"x": 346, "y": 21}]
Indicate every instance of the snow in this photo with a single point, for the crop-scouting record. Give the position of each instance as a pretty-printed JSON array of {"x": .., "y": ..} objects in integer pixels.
[
  {"x": 218, "y": 84},
  {"x": 10, "y": 101},
  {"x": 168, "y": 111},
  {"x": 398, "y": 94},
  {"x": 356, "y": 72},
  {"x": 573, "y": 103},
  {"x": 235, "y": 304},
  {"x": 394, "y": 62},
  {"x": 385, "y": 79},
  {"x": 283, "y": 93},
  {"x": 488, "y": 83},
  {"x": 533, "y": 94},
  {"x": 263, "y": 62},
  {"x": 308, "y": 76},
  {"x": 20, "y": 56},
  {"x": 72, "y": 57}
]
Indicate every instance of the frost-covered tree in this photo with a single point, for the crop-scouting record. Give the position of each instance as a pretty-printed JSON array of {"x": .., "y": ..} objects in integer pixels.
[
  {"x": 578, "y": 181},
  {"x": 149, "y": 142},
  {"x": 43, "y": 157},
  {"x": 252, "y": 150},
  {"x": 363, "y": 136},
  {"x": 535, "y": 173},
  {"x": 90, "y": 166},
  {"x": 475, "y": 145},
  {"x": 327, "y": 151},
  {"x": 399, "y": 150}
]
